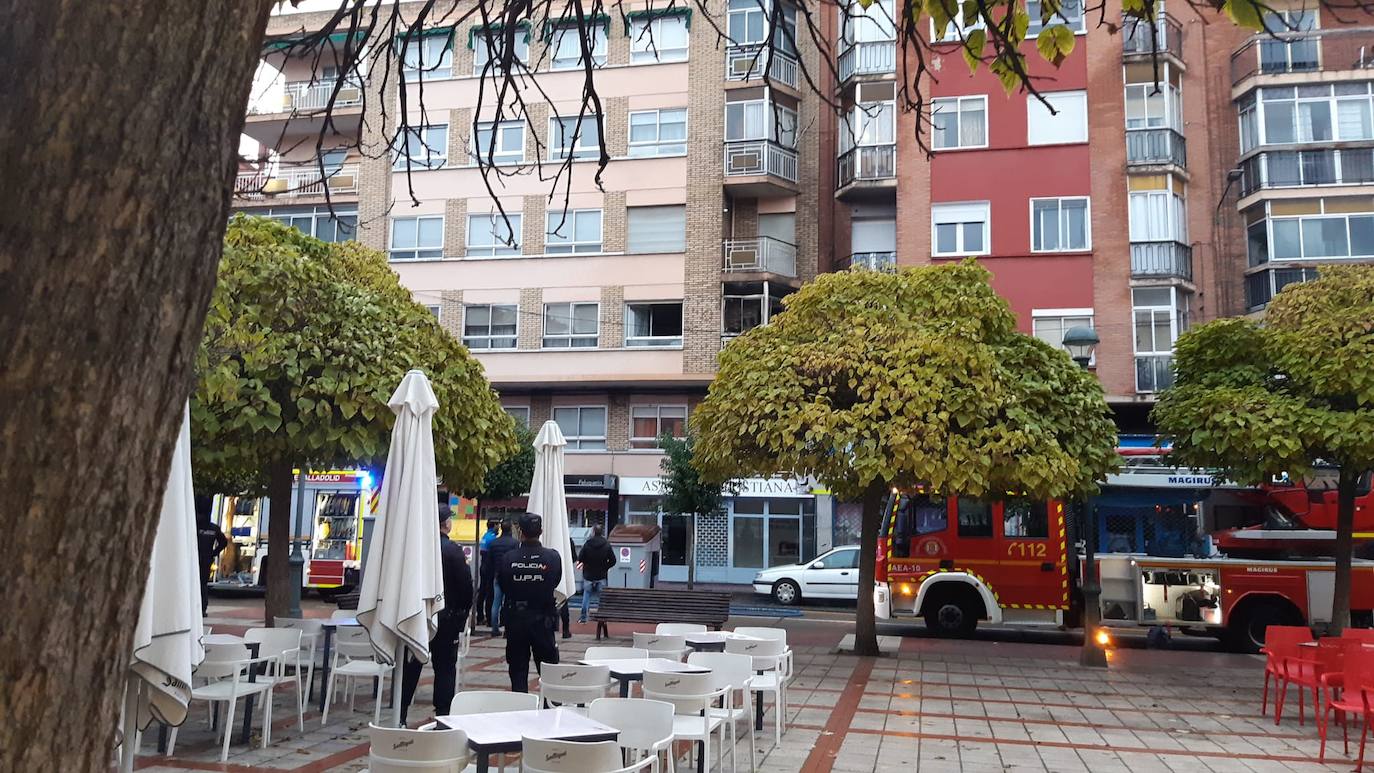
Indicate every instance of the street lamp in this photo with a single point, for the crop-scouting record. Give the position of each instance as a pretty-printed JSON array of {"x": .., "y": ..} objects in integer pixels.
[
  {"x": 297, "y": 560},
  {"x": 1080, "y": 342}
]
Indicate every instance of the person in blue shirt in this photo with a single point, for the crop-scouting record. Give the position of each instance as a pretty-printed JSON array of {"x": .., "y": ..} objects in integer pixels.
[{"x": 484, "y": 584}]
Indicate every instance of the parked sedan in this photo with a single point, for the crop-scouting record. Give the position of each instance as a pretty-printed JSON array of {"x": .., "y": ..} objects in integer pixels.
[{"x": 833, "y": 575}]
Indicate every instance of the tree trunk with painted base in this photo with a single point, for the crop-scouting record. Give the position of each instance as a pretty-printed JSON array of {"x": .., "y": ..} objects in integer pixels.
[
  {"x": 118, "y": 144},
  {"x": 865, "y": 621}
]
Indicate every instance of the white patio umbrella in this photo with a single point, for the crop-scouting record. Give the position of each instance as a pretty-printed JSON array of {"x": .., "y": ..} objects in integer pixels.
[
  {"x": 549, "y": 500},
  {"x": 403, "y": 582},
  {"x": 167, "y": 645}
]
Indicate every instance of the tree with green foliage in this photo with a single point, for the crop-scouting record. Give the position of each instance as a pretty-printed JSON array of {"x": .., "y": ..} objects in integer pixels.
[
  {"x": 511, "y": 477},
  {"x": 304, "y": 343},
  {"x": 870, "y": 381},
  {"x": 687, "y": 493},
  {"x": 1254, "y": 399}
]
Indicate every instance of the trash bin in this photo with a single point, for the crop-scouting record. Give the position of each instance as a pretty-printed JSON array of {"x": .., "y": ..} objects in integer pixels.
[{"x": 637, "y": 549}]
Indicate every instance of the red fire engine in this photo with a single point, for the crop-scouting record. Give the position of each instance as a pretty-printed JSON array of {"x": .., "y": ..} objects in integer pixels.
[{"x": 956, "y": 561}]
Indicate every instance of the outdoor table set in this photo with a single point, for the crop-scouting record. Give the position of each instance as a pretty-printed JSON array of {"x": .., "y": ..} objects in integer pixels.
[{"x": 502, "y": 732}]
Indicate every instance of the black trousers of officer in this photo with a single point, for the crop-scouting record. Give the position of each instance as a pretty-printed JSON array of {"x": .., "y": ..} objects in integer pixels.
[
  {"x": 528, "y": 632},
  {"x": 443, "y": 656}
]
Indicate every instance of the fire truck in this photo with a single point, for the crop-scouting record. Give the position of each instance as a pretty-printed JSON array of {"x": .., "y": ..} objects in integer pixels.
[{"x": 957, "y": 561}]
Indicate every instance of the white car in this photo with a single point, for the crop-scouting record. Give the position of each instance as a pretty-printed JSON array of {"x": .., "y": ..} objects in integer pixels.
[{"x": 833, "y": 575}]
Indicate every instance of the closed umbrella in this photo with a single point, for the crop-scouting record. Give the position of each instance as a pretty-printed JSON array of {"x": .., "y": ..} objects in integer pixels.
[
  {"x": 403, "y": 581},
  {"x": 548, "y": 499},
  {"x": 167, "y": 645}
]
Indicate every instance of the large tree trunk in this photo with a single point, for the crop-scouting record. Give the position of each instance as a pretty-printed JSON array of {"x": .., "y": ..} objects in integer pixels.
[
  {"x": 1345, "y": 527},
  {"x": 865, "y": 622},
  {"x": 118, "y": 137},
  {"x": 281, "y": 523}
]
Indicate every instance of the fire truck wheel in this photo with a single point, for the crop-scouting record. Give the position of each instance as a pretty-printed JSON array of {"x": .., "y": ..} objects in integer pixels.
[
  {"x": 1246, "y": 631},
  {"x": 786, "y": 592},
  {"x": 952, "y": 612}
]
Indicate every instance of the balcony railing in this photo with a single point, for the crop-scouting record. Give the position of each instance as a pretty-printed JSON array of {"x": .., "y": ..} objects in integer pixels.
[
  {"x": 1261, "y": 287},
  {"x": 310, "y": 96},
  {"x": 1156, "y": 146},
  {"x": 867, "y": 162},
  {"x": 874, "y": 261},
  {"x": 877, "y": 57},
  {"x": 1153, "y": 372},
  {"x": 1166, "y": 260},
  {"x": 1351, "y": 48},
  {"x": 763, "y": 253},
  {"x": 1139, "y": 36},
  {"x": 755, "y": 157},
  {"x": 1298, "y": 168},
  {"x": 748, "y": 62},
  {"x": 298, "y": 181}
]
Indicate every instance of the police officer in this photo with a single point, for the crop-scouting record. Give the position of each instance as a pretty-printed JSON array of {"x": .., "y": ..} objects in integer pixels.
[
  {"x": 528, "y": 576},
  {"x": 453, "y": 618}
]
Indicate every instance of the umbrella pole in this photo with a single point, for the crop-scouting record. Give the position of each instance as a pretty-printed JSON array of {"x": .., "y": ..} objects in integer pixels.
[
  {"x": 127, "y": 750},
  {"x": 397, "y": 675}
]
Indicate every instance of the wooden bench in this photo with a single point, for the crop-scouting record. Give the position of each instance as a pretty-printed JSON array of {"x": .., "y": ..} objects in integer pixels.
[{"x": 655, "y": 605}]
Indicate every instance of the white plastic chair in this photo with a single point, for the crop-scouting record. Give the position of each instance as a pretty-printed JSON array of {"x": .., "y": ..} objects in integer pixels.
[
  {"x": 679, "y": 629},
  {"x": 692, "y": 696},
  {"x": 356, "y": 648},
  {"x": 284, "y": 646},
  {"x": 343, "y": 614},
  {"x": 399, "y": 750},
  {"x": 615, "y": 653},
  {"x": 646, "y": 727},
  {"x": 662, "y": 645},
  {"x": 206, "y": 630},
  {"x": 786, "y": 671},
  {"x": 312, "y": 633},
  {"x": 543, "y": 756},
  {"x": 769, "y": 661},
  {"x": 573, "y": 684},
  {"x": 225, "y": 671},
  {"x": 737, "y": 673}
]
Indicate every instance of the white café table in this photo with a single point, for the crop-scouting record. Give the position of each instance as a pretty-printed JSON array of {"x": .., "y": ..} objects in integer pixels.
[
  {"x": 501, "y": 732},
  {"x": 632, "y": 669},
  {"x": 713, "y": 641}
]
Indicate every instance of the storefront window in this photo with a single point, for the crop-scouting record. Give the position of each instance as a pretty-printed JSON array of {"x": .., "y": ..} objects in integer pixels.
[
  {"x": 641, "y": 511},
  {"x": 784, "y": 541},
  {"x": 847, "y": 523},
  {"x": 747, "y": 534},
  {"x": 674, "y": 537}
]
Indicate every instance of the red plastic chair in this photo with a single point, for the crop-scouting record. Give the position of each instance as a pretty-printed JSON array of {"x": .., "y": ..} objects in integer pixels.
[
  {"x": 1355, "y": 698},
  {"x": 1363, "y": 635},
  {"x": 1306, "y": 669},
  {"x": 1280, "y": 641}
]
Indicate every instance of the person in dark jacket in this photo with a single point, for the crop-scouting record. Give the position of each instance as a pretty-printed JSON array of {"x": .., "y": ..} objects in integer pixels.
[
  {"x": 597, "y": 558},
  {"x": 563, "y": 615},
  {"x": 487, "y": 572},
  {"x": 210, "y": 542},
  {"x": 453, "y": 618},
  {"x": 500, "y": 547},
  {"x": 528, "y": 577}
]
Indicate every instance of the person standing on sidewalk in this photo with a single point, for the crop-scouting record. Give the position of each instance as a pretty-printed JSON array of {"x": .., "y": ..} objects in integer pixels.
[
  {"x": 210, "y": 542},
  {"x": 483, "y": 605},
  {"x": 527, "y": 578},
  {"x": 443, "y": 648},
  {"x": 496, "y": 554},
  {"x": 597, "y": 558}
]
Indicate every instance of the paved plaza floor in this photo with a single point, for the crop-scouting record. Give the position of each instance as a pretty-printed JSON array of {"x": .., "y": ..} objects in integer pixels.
[{"x": 933, "y": 706}]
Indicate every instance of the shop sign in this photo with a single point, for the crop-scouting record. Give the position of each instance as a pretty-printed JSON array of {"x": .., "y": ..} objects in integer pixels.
[
  {"x": 747, "y": 487},
  {"x": 590, "y": 483}
]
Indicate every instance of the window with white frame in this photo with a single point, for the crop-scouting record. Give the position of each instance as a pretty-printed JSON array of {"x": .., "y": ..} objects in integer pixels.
[
  {"x": 1153, "y": 106},
  {"x": 521, "y": 413},
  {"x": 1069, "y": 13},
  {"x": 428, "y": 56},
  {"x": 490, "y": 326},
  {"x": 658, "y": 132},
  {"x": 488, "y": 46},
  {"x": 870, "y": 123},
  {"x": 653, "y": 324},
  {"x": 571, "y": 325},
  {"x": 658, "y": 39},
  {"x": 872, "y": 24},
  {"x": 1314, "y": 228},
  {"x": 572, "y": 231},
  {"x": 578, "y": 137},
  {"x": 340, "y": 225},
  {"x": 1060, "y": 225},
  {"x": 959, "y": 122},
  {"x": 436, "y": 310},
  {"x": 748, "y": 22},
  {"x": 1063, "y": 120},
  {"x": 417, "y": 238},
  {"x": 584, "y": 426},
  {"x": 493, "y": 235},
  {"x": 1158, "y": 216},
  {"x": 656, "y": 229},
  {"x": 957, "y": 29},
  {"x": 960, "y": 229},
  {"x": 1289, "y": 115},
  {"x": 422, "y": 147},
  {"x": 760, "y": 119},
  {"x": 1160, "y": 316},
  {"x": 499, "y": 143},
  {"x": 1050, "y": 325},
  {"x": 648, "y": 423},
  {"x": 566, "y": 46}
]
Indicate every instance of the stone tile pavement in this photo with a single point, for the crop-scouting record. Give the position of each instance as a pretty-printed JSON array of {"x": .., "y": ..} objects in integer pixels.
[{"x": 933, "y": 706}]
